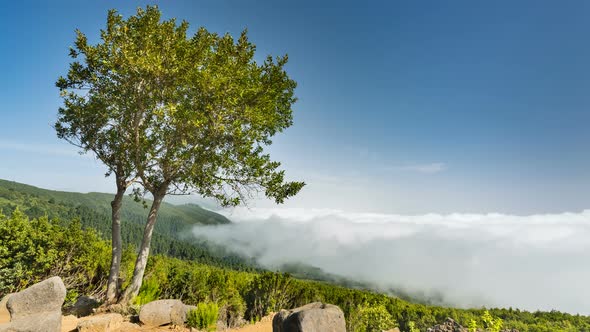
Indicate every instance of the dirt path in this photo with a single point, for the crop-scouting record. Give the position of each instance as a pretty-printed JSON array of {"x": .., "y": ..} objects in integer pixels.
[{"x": 265, "y": 325}]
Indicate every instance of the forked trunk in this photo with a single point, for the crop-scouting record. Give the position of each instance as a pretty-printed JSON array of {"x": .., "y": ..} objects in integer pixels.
[
  {"x": 144, "y": 251},
  {"x": 117, "y": 244}
]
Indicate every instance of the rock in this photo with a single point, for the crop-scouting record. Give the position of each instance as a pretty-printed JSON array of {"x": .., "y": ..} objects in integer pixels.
[
  {"x": 46, "y": 296},
  {"x": 178, "y": 314},
  {"x": 45, "y": 322},
  {"x": 37, "y": 308},
  {"x": 311, "y": 317},
  {"x": 101, "y": 323},
  {"x": 163, "y": 312},
  {"x": 449, "y": 325},
  {"x": 395, "y": 329},
  {"x": 84, "y": 306}
]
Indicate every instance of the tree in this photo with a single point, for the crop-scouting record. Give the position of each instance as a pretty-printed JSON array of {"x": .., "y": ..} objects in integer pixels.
[
  {"x": 95, "y": 118},
  {"x": 196, "y": 113}
]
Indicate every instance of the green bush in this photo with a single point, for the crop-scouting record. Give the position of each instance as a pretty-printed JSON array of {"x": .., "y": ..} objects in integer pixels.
[
  {"x": 204, "y": 316},
  {"x": 371, "y": 319},
  {"x": 32, "y": 250},
  {"x": 149, "y": 292},
  {"x": 492, "y": 324}
]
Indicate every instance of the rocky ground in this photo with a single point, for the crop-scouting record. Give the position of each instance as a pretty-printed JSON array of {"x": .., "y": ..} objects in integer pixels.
[{"x": 69, "y": 324}]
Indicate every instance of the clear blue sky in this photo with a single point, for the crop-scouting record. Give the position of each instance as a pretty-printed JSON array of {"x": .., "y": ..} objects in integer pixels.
[{"x": 404, "y": 106}]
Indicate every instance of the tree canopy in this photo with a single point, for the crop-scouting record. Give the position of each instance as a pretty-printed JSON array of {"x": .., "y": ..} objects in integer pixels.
[
  {"x": 177, "y": 114},
  {"x": 191, "y": 112}
]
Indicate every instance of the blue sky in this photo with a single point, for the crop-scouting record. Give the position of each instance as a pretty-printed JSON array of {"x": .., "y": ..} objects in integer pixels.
[{"x": 404, "y": 107}]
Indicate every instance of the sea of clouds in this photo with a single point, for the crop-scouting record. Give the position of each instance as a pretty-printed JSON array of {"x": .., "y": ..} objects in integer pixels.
[{"x": 472, "y": 260}]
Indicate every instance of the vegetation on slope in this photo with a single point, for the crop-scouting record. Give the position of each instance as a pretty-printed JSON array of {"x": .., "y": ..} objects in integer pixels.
[
  {"x": 94, "y": 211},
  {"x": 33, "y": 249}
]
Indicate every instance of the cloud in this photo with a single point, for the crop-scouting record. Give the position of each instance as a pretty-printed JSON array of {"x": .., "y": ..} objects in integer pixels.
[{"x": 530, "y": 262}]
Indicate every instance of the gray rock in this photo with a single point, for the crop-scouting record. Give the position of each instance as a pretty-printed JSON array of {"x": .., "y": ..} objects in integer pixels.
[
  {"x": 102, "y": 323},
  {"x": 46, "y": 296},
  {"x": 43, "y": 322},
  {"x": 313, "y": 317},
  {"x": 37, "y": 308},
  {"x": 163, "y": 312}
]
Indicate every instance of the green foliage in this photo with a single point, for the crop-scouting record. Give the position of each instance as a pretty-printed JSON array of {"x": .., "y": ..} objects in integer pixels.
[
  {"x": 149, "y": 292},
  {"x": 71, "y": 296},
  {"x": 94, "y": 211},
  {"x": 32, "y": 250},
  {"x": 185, "y": 113},
  {"x": 472, "y": 327},
  {"x": 490, "y": 323},
  {"x": 269, "y": 292},
  {"x": 234, "y": 307},
  {"x": 204, "y": 316},
  {"x": 412, "y": 327},
  {"x": 368, "y": 318}
]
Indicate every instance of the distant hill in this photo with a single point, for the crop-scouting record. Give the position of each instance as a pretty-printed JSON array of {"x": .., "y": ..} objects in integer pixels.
[
  {"x": 179, "y": 215},
  {"x": 94, "y": 211}
]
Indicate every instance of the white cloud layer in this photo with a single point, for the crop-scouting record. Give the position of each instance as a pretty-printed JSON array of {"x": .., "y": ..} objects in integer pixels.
[{"x": 528, "y": 262}]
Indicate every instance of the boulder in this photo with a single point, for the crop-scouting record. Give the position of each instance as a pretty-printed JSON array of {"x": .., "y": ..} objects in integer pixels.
[
  {"x": 84, "y": 306},
  {"x": 101, "y": 323},
  {"x": 311, "y": 317},
  {"x": 163, "y": 312},
  {"x": 46, "y": 296},
  {"x": 43, "y": 322},
  {"x": 37, "y": 308}
]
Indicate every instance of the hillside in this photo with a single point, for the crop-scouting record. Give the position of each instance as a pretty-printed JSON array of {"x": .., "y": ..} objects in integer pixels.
[
  {"x": 37, "y": 199},
  {"x": 94, "y": 211}
]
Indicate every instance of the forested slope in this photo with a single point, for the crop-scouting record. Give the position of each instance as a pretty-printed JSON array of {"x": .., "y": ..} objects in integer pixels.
[{"x": 94, "y": 211}]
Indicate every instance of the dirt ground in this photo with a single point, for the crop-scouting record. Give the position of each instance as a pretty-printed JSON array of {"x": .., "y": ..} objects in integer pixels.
[
  {"x": 69, "y": 323},
  {"x": 265, "y": 325}
]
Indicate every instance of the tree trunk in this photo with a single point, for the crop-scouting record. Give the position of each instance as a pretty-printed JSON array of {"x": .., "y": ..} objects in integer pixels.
[
  {"x": 144, "y": 251},
  {"x": 117, "y": 244}
]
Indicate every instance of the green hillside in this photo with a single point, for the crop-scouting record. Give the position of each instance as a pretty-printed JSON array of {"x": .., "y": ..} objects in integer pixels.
[
  {"x": 94, "y": 211},
  {"x": 40, "y": 199}
]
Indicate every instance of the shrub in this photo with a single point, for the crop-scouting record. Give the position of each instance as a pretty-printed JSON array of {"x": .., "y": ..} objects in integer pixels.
[
  {"x": 204, "y": 316},
  {"x": 371, "y": 319},
  {"x": 491, "y": 324},
  {"x": 149, "y": 292}
]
